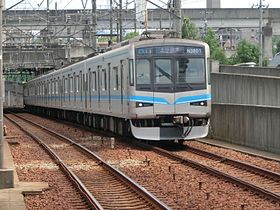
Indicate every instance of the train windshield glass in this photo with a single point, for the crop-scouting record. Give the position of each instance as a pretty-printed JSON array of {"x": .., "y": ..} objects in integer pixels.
[
  {"x": 170, "y": 68},
  {"x": 190, "y": 70},
  {"x": 163, "y": 74}
]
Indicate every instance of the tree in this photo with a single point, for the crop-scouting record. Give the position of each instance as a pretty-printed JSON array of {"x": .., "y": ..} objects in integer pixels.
[
  {"x": 216, "y": 51},
  {"x": 246, "y": 52},
  {"x": 131, "y": 35},
  {"x": 276, "y": 44},
  {"x": 189, "y": 30}
]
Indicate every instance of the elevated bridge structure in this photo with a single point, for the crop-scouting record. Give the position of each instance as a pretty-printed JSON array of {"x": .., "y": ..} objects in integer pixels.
[
  {"x": 56, "y": 35},
  {"x": 80, "y": 20}
]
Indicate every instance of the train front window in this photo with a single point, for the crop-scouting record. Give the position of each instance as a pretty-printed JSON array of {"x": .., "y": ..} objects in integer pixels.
[
  {"x": 163, "y": 71},
  {"x": 190, "y": 71},
  {"x": 143, "y": 76},
  {"x": 170, "y": 68}
]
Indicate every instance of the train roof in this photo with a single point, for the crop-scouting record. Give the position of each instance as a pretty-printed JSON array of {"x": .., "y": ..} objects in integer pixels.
[{"x": 158, "y": 38}]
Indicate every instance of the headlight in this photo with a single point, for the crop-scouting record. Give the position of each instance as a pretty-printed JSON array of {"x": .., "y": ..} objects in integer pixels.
[
  {"x": 199, "y": 103},
  {"x": 143, "y": 104}
]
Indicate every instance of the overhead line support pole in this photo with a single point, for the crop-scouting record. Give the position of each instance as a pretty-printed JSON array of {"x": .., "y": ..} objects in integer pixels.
[
  {"x": 1, "y": 89},
  {"x": 260, "y": 34},
  {"x": 93, "y": 28}
]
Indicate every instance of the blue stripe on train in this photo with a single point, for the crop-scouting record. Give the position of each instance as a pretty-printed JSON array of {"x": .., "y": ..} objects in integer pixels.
[
  {"x": 143, "y": 99},
  {"x": 196, "y": 98}
]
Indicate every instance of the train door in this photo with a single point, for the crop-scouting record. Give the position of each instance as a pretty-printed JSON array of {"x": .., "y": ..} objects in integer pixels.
[
  {"x": 94, "y": 91},
  {"x": 109, "y": 88},
  {"x": 163, "y": 85},
  {"x": 127, "y": 80},
  {"x": 56, "y": 93},
  {"x": 47, "y": 92},
  {"x": 75, "y": 89},
  {"x": 81, "y": 91},
  {"x": 116, "y": 91},
  {"x": 104, "y": 93},
  {"x": 99, "y": 86},
  {"x": 86, "y": 89},
  {"x": 62, "y": 91},
  {"x": 122, "y": 85}
]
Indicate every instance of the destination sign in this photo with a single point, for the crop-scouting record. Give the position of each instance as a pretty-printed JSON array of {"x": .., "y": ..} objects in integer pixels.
[
  {"x": 145, "y": 51},
  {"x": 188, "y": 50}
]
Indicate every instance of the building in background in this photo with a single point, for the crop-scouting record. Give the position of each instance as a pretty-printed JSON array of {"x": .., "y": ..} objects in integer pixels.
[{"x": 213, "y": 4}]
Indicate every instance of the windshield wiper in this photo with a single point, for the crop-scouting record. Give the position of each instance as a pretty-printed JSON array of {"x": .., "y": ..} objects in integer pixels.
[{"x": 164, "y": 73}]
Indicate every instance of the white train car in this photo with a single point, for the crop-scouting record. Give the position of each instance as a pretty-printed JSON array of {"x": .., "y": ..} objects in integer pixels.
[{"x": 156, "y": 89}]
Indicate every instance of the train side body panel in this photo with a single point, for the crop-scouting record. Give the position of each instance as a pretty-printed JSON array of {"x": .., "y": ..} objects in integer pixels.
[{"x": 173, "y": 104}]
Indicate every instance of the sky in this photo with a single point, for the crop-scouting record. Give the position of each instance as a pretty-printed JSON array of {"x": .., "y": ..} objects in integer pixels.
[{"x": 77, "y": 4}]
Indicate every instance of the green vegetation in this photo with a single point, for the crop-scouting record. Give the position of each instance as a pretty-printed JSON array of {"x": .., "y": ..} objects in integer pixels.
[
  {"x": 106, "y": 39},
  {"x": 18, "y": 76},
  {"x": 217, "y": 52},
  {"x": 131, "y": 35},
  {"x": 276, "y": 44},
  {"x": 189, "y": 30},
  {"x": 245, "y": 52}
]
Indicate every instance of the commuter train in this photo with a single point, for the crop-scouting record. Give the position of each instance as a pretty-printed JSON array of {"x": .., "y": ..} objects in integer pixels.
[{"x": 156, "y": 89}]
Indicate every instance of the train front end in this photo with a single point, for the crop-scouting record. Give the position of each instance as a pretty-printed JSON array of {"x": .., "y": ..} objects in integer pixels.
[{"x": 172, "y": 98}]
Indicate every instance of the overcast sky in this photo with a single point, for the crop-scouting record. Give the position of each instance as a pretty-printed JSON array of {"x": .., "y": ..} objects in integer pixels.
[{"x": 77, "y": 4}]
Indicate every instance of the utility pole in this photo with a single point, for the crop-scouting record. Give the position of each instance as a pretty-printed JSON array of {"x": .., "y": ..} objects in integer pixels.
[
  {"x": 111, "y": 20},
  {"x": 120, "y": 20},
  {"x": 56, "y": 16},
  {"x": 93, "y": 28},
  {"x": 48, "y": 22},
  {"x": 178, "y": 21},
  {"x": 260, "y": 6},
  {"x": 1, "y": 89},
  {"x": 135, "y": 19},
  {"x": 6, "y": 175},
  {"x": 205, "y": 19},
  {"x": 261, "y": 34},
  {"x": 68, "y": 22},
  {"x": 170, "y": 8}
]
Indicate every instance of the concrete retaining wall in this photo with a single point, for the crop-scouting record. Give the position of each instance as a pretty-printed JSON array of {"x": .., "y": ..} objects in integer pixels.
[
  {"x": 250, "y": 70},
  {"x": 13, "y": 95},
  {"x": 253, "y": 126},
  {"x": 246, "y": 107}
]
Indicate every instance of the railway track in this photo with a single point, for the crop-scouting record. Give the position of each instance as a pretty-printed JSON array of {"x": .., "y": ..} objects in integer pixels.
[
  {"x": 261, "y": 181},
  {"x": 102, "y": 186}
]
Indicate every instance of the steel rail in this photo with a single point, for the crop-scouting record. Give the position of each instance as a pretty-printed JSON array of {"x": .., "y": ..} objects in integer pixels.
[
  {"x": 93, "y": 203},
  {"x": 215, "y": 172},
  {"x": 138, "y": 188},
  {"x": 229, "y": 161}
]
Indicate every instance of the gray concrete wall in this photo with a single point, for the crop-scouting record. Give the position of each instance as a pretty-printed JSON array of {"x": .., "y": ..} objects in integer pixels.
[
  {"x": 13, "y": 95},
  {"x": 245, "y": 89},
  {"x": 253, "y": 126},
  {"x": 246, "y": 107},
  {"x": 249, "y": 70}
]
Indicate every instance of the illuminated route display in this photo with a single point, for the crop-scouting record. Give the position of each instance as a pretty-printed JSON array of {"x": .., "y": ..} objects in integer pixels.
[{"x": 186, "y": 50}]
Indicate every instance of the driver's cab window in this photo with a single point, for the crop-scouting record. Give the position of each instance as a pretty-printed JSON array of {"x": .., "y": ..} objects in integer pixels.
[
  {"x": 163, "y": 71},
  {"x": 143, "y": 72}
]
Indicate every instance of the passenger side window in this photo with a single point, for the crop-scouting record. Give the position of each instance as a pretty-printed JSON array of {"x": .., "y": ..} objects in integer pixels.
[
  {"x": 115, "y": 78},
  {"x": 71, "y": 85},
  {"x": 103, "y": 80},
  {"x": 77, "y": 83},
  {"x": 131, "y": 72},
  {"x": 143, "y": 72},
  {"x": 93, "y": 78}
]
